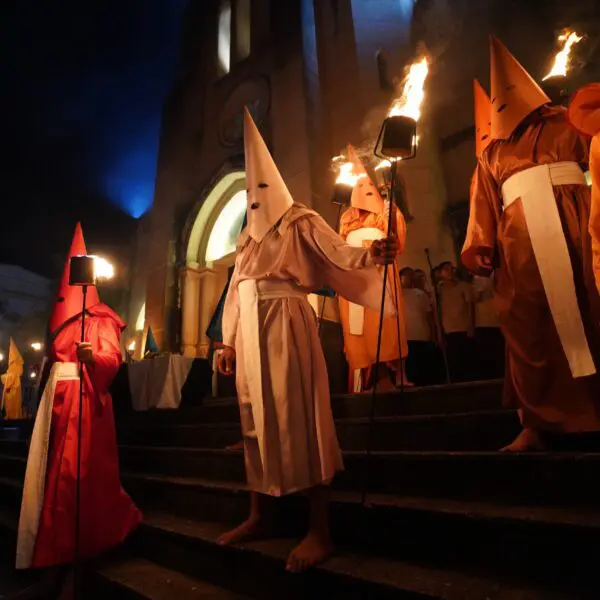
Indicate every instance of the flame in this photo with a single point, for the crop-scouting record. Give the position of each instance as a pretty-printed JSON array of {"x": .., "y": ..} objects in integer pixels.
[
  {"x": 383, "y": 164},
  {"x": 347, "y": 176},
  {"x": 561, "y": 60},
  {"x": 131, "y": 346},
  {"x": 409, "y": 104}
]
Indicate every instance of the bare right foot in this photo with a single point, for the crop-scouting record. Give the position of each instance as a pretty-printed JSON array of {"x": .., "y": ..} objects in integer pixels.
[
  {"x": 249, "y": 529},
  {"x": 529, "y": 440}
]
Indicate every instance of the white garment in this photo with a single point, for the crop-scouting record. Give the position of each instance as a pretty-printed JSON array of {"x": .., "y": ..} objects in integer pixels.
[
  {"x": 37, "y": 462},
  {"x": 417, "y": 310},
  {"x": 157, "y": 382},
  {"x": 535, "y": 188},
  {"x": 356, "y": 312}
]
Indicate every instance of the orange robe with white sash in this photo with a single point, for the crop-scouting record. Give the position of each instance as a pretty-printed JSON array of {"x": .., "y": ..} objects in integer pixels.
[{"x": 530, "y": 210}]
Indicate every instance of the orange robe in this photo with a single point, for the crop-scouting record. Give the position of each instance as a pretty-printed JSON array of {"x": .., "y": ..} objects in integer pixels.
[
  {"x": 361, "y": 350},
  {"x": 538, "y": 379}
]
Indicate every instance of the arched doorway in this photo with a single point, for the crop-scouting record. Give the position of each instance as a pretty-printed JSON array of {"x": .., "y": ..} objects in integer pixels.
[{"x": 209, "y": 257}]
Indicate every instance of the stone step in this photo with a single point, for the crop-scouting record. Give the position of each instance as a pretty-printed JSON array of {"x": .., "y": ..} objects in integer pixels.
[
  {"x": 524, "y": 540},
  {"x": 139, "y": 579},
  {"x": 257, "y": 569},
  {"x": 487, "y": 430},
  {"x": 443, "y": 399},
  {"x": 536, "y": 478},
  {"x": 514, "y": 539}
]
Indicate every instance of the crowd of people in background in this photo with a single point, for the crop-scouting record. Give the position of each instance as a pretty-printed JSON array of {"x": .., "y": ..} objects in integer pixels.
[{"x": 451, "y": 326}]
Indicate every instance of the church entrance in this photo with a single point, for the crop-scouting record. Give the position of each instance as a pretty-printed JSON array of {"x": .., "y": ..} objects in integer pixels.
[{"x": 209, "y": 258}]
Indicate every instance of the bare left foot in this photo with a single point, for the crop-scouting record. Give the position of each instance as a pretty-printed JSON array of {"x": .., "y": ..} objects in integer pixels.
[
  {"x": 311, "y": 551},
  {"x": 529, "y": 440}
]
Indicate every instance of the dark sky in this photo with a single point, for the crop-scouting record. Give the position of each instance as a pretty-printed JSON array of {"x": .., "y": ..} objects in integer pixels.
[{"x": 82, "y": 86}]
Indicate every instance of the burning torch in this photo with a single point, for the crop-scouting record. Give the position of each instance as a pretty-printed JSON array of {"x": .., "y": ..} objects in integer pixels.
[
  {"x": 397, "y": 141},
  {"x": 84, "y": 271},
  {"x": 554, "y": 83}
]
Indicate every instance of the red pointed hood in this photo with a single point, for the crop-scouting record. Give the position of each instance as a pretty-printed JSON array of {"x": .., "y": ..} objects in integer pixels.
[{"x": 70, "y": 298}]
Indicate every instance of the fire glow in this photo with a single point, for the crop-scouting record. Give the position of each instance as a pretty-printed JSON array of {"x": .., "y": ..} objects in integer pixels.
[
  {"x": 413, "y": 93},
  {"x": 347, "y": 176},
  {"x": 560, "y": 67}
]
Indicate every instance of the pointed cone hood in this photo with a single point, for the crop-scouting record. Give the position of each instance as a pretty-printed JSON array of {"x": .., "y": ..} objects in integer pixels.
[
  {"x": 584, "y": 109},
  {"x": 151, "y": 345},
  {"x": 15, "y": 360},
  {"x": 268, "y": 196},
  {"x": 515, "y": 94},
  {"x": 483, "y": 115},
  {"x": 365, "y": 194},
  {"x": 70, "y": 298}
]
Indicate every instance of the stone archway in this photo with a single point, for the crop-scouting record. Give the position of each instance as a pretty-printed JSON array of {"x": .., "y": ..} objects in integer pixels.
[{"x": 209, "y": 255}]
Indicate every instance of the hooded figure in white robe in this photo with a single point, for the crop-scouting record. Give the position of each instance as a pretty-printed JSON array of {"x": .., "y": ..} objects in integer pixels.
[{"x": 286, "y": 252}]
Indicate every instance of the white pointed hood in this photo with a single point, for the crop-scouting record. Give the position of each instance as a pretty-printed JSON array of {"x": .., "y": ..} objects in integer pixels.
[{"x": 268, "y": 196}]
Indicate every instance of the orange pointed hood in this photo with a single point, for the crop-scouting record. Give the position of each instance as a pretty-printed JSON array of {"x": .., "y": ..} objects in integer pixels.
[
  {"x": 365, "y": 195},
  {"x": 483, "y": 115},
  {"x": 584, "y": 109},
  {"x": 515, "y": 94},
  {"x": 15, "y": 360},
  {"x": 268, "y": 196},
  {"x": 70, "y": 298}
]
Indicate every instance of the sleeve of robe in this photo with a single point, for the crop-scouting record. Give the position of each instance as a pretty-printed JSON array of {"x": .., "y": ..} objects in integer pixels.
[
  {"x": 349, "y": 270},
  {"x": 231, "y": 312},
  {"x": 107, "y": 356},
  {"x": 483, "y": 219},
  {"x": 594, "y": 226}
]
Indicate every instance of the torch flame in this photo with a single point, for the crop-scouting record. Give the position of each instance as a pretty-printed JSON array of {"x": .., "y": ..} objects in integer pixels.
[
  {"x": 131, "y": 346},
  {"x": 347, "y": 176},
  {"x": 409, "y": 104},
  {"x": 561, "y": 60}
]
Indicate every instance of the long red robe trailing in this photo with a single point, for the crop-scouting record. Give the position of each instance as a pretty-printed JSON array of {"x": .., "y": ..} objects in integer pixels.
[{"x": 108, "y": 514}]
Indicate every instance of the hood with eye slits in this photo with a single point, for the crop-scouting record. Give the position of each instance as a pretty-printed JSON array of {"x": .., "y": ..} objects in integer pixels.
[
  {"x": 268, "y": 196},
  {"x": 515, "y": 94},
  {"x": 365, "y": 195},
  {"x": 483, "y": 124}
]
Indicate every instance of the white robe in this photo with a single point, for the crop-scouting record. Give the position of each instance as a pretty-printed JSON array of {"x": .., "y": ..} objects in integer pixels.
[{"x": 282, "y": 384}]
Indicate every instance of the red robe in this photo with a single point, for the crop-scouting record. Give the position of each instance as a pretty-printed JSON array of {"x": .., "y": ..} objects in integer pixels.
[{"x": 108, "y": 514}]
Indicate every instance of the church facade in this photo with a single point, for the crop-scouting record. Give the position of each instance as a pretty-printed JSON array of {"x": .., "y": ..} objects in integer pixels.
[{"x": 316, "y": 75}]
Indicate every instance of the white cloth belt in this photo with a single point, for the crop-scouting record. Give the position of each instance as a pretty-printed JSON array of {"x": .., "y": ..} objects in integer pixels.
[
  {"x": 251, "y": 291},
  {"x": 356, "y": 313},
  {"x": 535, "y": 188},
  {"x": 35, "y": 475}
]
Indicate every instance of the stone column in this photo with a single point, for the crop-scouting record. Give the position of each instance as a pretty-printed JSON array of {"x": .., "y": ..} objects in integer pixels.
[
  {"x": 212, "y": 282},
  {"x": 190, "y": 301}
]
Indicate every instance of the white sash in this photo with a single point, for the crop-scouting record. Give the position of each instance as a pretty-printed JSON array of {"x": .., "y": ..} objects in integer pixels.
[
  {"x": 35, "y": 474},
  {"x": 356, "y": 312},
  {"x": 534, "y": 187},
  {"x": 250, "y": 293}
]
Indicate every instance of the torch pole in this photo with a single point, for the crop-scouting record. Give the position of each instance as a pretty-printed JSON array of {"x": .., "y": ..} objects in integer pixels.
[
  {"x": 375, "y": 373},
  {"x": 438, "y": 312},
  {"x": 77, "y": 574},
  {"x": 337, "y": 227}
]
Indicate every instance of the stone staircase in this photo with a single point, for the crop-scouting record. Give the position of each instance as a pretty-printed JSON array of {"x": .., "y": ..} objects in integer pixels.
[{"x": 446, "y": 516}]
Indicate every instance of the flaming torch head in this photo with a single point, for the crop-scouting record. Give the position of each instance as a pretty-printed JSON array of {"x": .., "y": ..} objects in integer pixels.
[
  {"x": 398, "y": 137},
  {"x": 345, "y": 182},
  {"x": 554, "y": 83}
]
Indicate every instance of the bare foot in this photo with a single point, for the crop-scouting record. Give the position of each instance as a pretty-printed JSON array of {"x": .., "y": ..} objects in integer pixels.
[
  {"x": 311, "y": 551},
  {"x": 235, "y": 447},
  {"x": 406, "y": 383},
  {"x": 249, "y": 529},
  {"x": 527, "y": 441}
]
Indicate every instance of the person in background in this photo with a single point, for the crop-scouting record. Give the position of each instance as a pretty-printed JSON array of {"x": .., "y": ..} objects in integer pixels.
[
  {"x": 458, "y": 321},
  {"x": 421, "y": 363},
  {"x": 489, "y": 341}
]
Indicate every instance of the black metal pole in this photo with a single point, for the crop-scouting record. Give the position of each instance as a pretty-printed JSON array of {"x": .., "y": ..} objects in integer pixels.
[
  {"x": 77, "y": 574},
  {"x": 375, "y": 373}
]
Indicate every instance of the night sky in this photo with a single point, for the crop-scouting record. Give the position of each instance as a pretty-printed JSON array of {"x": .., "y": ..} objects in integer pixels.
[{"x": 83, "y": 84}]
